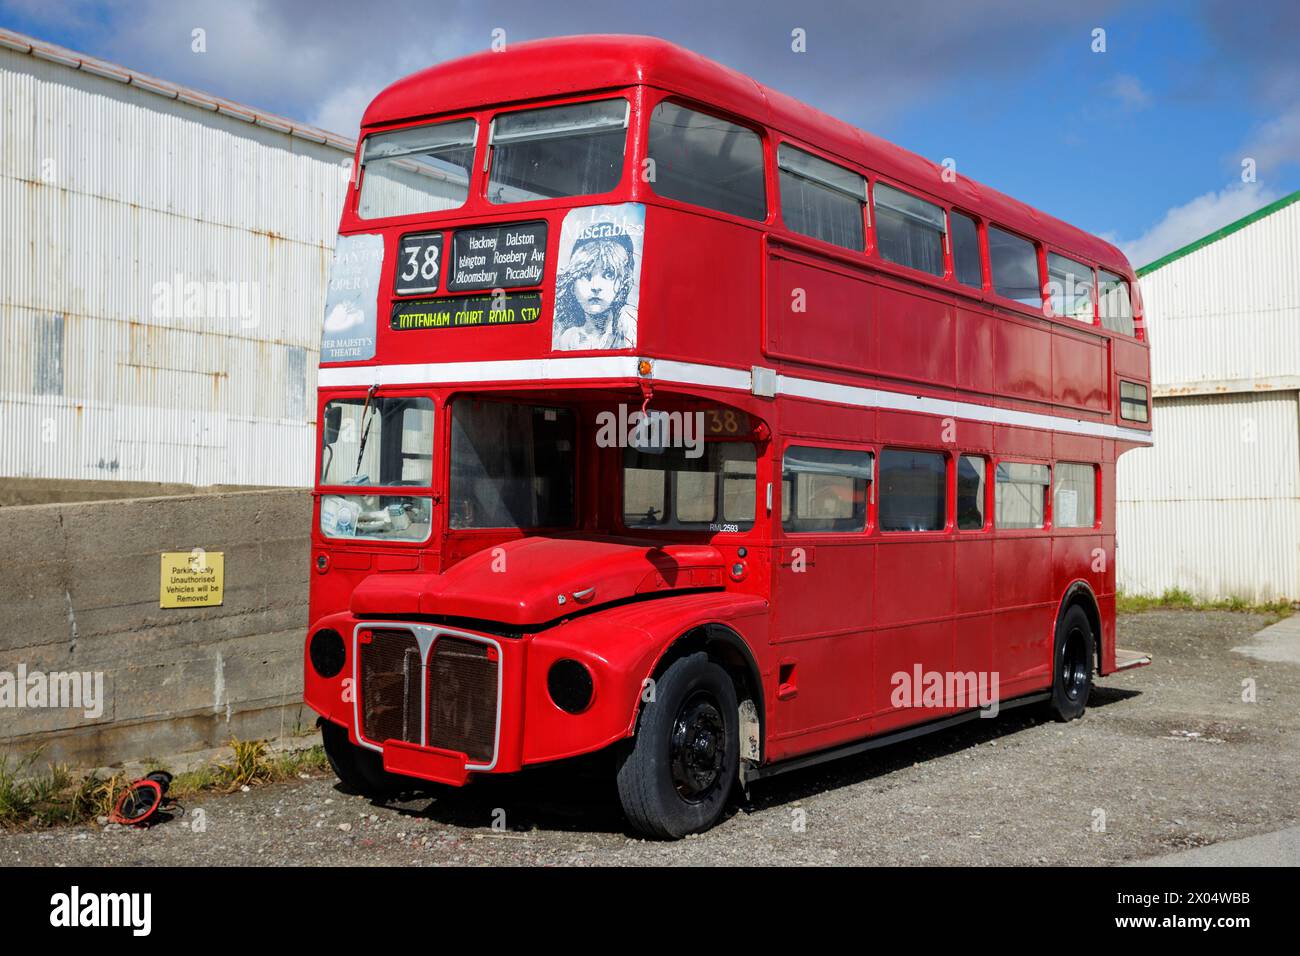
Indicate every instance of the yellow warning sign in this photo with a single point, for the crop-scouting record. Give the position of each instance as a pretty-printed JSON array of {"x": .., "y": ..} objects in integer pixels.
[{"x": 192, "y": 578}]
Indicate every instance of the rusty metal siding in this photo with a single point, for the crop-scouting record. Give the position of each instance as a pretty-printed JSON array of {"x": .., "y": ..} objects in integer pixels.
[
  {"x": 162, "y": 279},
  {"x": 1214, "y": 507}
]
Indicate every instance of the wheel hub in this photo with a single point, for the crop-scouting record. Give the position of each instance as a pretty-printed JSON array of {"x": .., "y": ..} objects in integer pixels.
[
  {"x": 698, "y": 749},
  {"x": 1074, "y": 666}
]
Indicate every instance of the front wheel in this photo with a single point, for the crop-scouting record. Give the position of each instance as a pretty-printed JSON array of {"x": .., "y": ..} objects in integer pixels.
[
  {"x": 678, "y": 772},
  {"x": 1072, "y": 657},
  {"x": 358, "y": 769}
]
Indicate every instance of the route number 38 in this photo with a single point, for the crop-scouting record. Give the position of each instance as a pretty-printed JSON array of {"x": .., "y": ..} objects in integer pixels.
[{"x": 420, "y": 261}]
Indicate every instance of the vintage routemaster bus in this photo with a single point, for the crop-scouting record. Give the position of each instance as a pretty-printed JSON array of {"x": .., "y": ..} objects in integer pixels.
[{"x": 664, "y": 416}]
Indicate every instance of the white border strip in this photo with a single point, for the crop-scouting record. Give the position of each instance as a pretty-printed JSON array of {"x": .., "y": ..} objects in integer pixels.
[{"x": 690, "y": 373}]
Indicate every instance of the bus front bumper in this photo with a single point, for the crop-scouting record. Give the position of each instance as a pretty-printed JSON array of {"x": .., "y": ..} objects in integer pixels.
[{"x": 444, "y": 704}]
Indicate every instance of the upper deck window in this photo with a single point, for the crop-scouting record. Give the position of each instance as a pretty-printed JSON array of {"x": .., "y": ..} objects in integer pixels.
[
  {"x": 909, "y": 230},
  {"x": 1115, "y": 306},
  {"x": 820, "y": 199},
  {"x": 706, "y": 161},
  {"x": 1069, "y": 286},
  {"x": 1014, "y": 262},
  {"x": 415, "y": 170},
  {"x": 574, "y": 150},
  {"x": 966, "y": 251}
]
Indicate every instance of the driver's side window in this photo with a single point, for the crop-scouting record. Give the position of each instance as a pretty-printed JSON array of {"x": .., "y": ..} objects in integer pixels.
[{"x": 825, "y": 489}]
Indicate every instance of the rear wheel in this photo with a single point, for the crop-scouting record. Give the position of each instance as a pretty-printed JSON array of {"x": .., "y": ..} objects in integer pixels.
[
  {"x": 677, "y": 774},
  {"x": 1072, "y": 657},
  {"x": 359, "y": 769}
]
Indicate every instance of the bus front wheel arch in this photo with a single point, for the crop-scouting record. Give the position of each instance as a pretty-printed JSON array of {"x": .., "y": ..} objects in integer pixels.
[
  {"x": 1080, "y": 595},
  {"x": 726, "y": 648}
]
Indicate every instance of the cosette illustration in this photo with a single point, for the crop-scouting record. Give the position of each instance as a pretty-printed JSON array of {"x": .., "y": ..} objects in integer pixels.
[{"x": 599, "y": 278}]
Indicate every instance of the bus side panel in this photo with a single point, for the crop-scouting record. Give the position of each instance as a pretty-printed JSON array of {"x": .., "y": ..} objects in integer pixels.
[
  {"x": 1022, "y": 580},
  {"x": 819, "y": 312},
  {"x": 704, "y": 291}
]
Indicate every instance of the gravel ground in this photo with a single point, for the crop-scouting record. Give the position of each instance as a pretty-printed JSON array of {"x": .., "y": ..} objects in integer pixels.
[{"x": 1169, "y": 753}]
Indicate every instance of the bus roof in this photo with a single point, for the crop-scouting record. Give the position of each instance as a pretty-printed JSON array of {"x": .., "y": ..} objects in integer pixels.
[{"x": 540, "y": 69}]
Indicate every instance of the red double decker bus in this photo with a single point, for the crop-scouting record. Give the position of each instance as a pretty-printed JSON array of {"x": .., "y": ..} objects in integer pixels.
[{"x": 664, "y": 415}]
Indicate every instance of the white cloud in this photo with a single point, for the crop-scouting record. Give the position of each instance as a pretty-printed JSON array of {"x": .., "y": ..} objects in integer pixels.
[
  {"x": 321, "y": 62},
  {"x": 341, "y": 110},
  {"x": 1277, "y": 143},
  {"x": 1194, "y": 219},
  {"x": 308, "y": 59},
  {"x": 1130, "y": 92}
]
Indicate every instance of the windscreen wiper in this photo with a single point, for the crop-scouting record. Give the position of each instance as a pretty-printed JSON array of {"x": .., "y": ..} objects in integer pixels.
[{"x": 367, "y": 414}]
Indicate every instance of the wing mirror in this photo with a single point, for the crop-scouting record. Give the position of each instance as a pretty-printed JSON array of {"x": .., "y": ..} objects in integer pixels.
[{"x": 333, "y": 422}]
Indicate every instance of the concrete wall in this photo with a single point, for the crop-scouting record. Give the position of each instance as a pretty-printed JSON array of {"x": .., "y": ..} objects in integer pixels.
[{"x": 79, "y": 588}]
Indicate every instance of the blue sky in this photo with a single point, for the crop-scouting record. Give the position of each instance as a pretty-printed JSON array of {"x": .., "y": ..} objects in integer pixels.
[{"x": 1142, "y": 143}]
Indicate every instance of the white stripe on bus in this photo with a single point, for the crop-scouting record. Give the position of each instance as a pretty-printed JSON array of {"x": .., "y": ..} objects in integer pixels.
[{"x": 691, "y": 373}]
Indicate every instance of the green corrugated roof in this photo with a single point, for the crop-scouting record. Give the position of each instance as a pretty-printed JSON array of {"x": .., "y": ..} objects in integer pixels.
[{"x": 1218, "y": 234}]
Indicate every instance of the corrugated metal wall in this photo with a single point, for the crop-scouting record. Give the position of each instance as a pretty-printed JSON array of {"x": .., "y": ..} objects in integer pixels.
[
  {"x": 1214, "y": 507},
  {"x": 162, "y": 280},
  {"x": 1229, "y": 311}
]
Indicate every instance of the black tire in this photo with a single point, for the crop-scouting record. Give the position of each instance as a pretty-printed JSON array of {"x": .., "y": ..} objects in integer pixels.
[
  {"x": 359, "y": 769},
  {"x": 677, "y": 774},
  {"x": 1073, "y": 653}
]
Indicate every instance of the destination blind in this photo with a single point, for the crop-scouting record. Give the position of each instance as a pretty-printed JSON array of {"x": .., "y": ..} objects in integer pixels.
[
  {"x": 498, "y": 257},
  {"x": 457, "y": 312}
]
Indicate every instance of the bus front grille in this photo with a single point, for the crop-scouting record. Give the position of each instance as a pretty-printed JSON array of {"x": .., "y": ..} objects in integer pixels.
[
  {"x": 462, "y": 698},
  {"x": 390, "y": 687}
]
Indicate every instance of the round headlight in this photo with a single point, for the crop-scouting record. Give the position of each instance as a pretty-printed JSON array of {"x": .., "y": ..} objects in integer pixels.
[
  {"x": 569, "y": 684},
  {"x": 327, "y": 653}
]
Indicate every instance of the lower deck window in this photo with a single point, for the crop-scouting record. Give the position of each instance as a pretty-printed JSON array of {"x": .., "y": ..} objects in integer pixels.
[
  {"x": 512, "y": 466},
  {"x": 377, "y": 441},
  {"x": 913, "y": 491},
  {"x": 712, "y": 492},
  {"x": 970, "y": 492},
  {"x": 1074, "y": 495},
  {"x": 825, "y": 489},
  {"x": 1021, "y": 494},
  {"x": 376, "y": 517}
]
